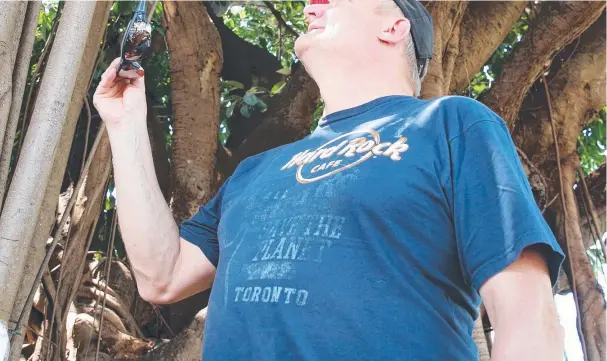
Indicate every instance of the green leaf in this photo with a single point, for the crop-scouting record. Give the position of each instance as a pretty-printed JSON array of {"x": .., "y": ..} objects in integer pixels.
[
  {"x": 262, "y": 104},
  {"x": 232, "y": 98},
  {"x": 277, "y": 88},
  {"x": 232, "y": 84},
  {"x": 284, "y": 71},
  {"x": 257, "y": 90},
  {"x": 250, "y": 99},
  {"x": 244, "y": 110}
]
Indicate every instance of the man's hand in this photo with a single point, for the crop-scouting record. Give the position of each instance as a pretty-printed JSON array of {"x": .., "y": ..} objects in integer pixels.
[
  {"x": 521, "y": 308},
  {"x": 120, "y": 100}
]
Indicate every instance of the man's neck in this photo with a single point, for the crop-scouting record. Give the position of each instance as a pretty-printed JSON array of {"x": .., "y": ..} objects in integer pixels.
[{"x": 341, "y": 89}]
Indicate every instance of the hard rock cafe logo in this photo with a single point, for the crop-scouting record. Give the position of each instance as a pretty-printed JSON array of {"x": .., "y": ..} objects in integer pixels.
[{"x": 343, "y": 152}]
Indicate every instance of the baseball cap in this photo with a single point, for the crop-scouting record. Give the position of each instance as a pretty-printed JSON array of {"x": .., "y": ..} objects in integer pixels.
[{"x": 422, "y": 30}]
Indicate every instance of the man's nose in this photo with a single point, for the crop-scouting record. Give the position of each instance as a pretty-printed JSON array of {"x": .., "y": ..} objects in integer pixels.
[{"x": 314, "y": 11}]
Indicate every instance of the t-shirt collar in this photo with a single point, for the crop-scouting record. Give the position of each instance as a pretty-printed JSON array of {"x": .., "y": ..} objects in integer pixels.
[{"x": 350, "y": 112}]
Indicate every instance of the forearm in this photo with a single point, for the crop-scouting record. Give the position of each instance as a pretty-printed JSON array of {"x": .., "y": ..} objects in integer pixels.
[
  {"x": 531, "y": 342},
  {"x": 148, "y": 229}
]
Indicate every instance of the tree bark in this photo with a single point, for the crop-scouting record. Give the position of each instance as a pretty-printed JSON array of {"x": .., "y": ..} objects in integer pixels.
[
  {"x": 18, "y": 79},
  {"x": 83, "y": 222},
  {"x": 577, "y": 90},
  {"x": 596, "y": 182},
  {"x": 24, "y": 198},
  {"x": 195, "y": 63},
  {"x": 478, "y": 334},
  {"x": 12, "y": 15},
  {"x": 186, "y": 346},
  {"x": 590, "y": 296},
  {"x": 558, "y": 24},
  {"x": 492, "y": 21},
  {"x": 446, "y": 17}
]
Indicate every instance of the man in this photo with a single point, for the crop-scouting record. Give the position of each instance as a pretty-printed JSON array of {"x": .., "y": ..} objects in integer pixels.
[{"x": 373, "y": 238}]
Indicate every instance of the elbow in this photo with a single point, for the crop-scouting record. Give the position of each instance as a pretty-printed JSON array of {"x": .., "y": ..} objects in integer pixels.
[{"x": 156, "y": 293}]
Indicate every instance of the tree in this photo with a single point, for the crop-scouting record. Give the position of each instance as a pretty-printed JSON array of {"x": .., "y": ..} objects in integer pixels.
[{"x": 233, "y": 88}]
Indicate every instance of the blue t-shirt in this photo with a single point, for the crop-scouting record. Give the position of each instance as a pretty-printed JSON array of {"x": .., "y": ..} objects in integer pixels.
[{"x": 368, "y": 239}]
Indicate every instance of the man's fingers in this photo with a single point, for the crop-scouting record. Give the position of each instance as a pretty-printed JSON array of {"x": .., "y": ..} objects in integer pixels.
[
  {"x": 107, "y": 80},
  {"x": 114, "y": 65},
  {"x": 108, "y": 76}
]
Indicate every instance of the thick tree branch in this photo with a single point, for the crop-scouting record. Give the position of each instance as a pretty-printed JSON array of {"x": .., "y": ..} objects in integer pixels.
[
  {"x": 484, "y": 27},
  {"x": 577, "y": 91},
  {"x": 558, "y": 24},
  {"x": 195, "y": 64}
]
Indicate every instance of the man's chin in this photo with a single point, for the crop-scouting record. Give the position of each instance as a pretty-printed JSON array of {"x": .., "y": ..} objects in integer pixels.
[{"x": 302, "y": 45}]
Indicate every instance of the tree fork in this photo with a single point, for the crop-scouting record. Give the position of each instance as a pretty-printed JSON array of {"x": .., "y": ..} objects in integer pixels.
[
  {"x": 493, "y": 19},
  {"x": 578, "y": 89},
  {"x": 557, "y": 25}
]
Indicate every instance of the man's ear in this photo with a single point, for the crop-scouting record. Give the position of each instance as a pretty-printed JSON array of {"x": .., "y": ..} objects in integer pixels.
[{"x": 394, "y": 30}]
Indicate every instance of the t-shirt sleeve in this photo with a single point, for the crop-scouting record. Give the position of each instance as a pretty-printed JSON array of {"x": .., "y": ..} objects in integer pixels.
[
  {"x": 494, "y": 213},
  {"x": 201, "y": 229}
]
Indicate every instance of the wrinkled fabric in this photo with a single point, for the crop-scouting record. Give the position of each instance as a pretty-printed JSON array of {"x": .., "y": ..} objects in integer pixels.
[{"x": 370, "y": 238}]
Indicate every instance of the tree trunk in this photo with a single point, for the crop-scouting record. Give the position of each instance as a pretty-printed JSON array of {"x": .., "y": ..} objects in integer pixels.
[
  {"x": 12, "y": 15},
  {"x": 195, "y": 64},
  {"x": 18, "y": 81},
  {"x": 590, "y": 296}
]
